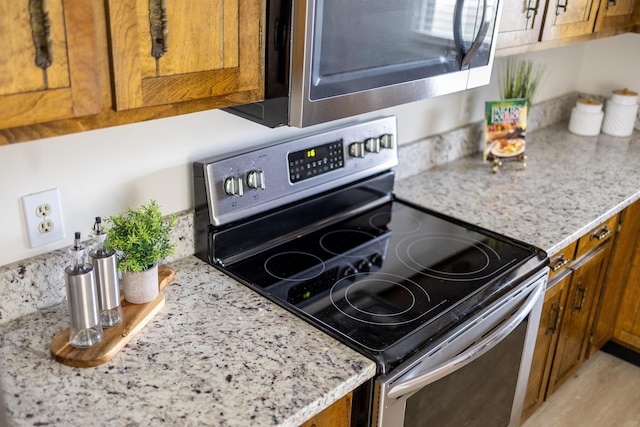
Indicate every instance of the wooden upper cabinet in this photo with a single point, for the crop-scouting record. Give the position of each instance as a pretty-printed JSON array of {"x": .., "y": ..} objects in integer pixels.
[
  {"x": 520, "y": 23},
  {"x": 49, "y": 64},
  {"x": 615, "y": 14},
  {"x": 569, "y": 18},
  {"x": 172, "y": 51}
]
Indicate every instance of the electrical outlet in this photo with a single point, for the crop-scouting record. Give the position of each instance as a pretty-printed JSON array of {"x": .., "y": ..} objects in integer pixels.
[{"x": 43, "y": 217}]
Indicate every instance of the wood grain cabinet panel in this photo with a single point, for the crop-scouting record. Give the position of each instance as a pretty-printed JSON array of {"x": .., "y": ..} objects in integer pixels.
[
  {"x": 615, "y": 14},
  {"x": 521, "y": 23},
  {"x": 49, "y": 65},
  {"x": 559, "y": 261},
  {"x": 610, "y": 301},
  {"x": 554, "y": 304},
  {"x": 569, "y": 18},
  {"x": 603, "y": 232},
  {"x": 586, "y": 282},
  {"x": 336, "y": 415},
  {"x": 182, "y": 50},
  {"x": 627, "y": 325}
]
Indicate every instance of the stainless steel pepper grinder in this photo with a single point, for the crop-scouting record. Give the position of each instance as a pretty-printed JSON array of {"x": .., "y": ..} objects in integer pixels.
[
  {"x": 106, "y": 274},
  {"x": 84, "y": 329}
]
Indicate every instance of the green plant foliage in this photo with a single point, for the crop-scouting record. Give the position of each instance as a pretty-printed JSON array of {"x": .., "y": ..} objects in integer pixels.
[
  {"x": 521, "y": 79},
  {"x": 139, "y": 237}
]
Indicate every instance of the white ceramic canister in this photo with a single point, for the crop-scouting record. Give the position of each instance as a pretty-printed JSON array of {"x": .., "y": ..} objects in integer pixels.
[
  {"x": 586, "y": 117},
  {"x": 620, "y": 113}
]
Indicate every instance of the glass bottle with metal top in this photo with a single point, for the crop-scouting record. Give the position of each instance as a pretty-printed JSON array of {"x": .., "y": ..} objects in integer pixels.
[
  {"x": 106, "y": 274},
  {"x": 84, "y": 329}
]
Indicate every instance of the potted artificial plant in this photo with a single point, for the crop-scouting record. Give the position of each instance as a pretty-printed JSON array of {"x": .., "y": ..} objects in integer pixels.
[
  {"x": 140, "y": 239},
  {"x": 521, "y": 80}
]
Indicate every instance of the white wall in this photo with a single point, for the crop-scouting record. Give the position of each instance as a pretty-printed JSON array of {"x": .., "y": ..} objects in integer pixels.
[{"x": 102, "y": 172}]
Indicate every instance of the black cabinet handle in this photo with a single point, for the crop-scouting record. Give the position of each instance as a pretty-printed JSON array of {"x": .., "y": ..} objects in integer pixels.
[
  {"x": 559, "y": 262},
  {"x": 553, "y": 322},
  {"x": 562, "y": 7},
  {"x": 532, "y": 8},
  {"x": 601, "y": 234},
  {"x": 158, "y": 27},
  {"x": 41, "y": 32},
  {"x": 582, "y": 291}
]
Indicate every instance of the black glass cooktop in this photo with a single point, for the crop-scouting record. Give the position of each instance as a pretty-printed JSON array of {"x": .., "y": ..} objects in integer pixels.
[{"x": 389, "y": 280}]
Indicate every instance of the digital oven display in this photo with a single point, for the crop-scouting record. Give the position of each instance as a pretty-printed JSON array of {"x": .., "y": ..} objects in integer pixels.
[{"x": 315, "y": 161}]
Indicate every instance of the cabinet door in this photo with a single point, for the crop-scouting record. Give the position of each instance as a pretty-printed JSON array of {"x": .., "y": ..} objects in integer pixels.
[
  {"x": 49, "y": 65},
  {"x": 569, "y": 18},
  {"x": 170, "y": 51},
  {"x": 615, "y": 14},
  {"x": 586, "y": 283},
  {"x": 627, "y": 326},
  {"x": 554, "y": 302},
  {"x": 520, "y": 23},
  {"x": 609, "y": 303}
]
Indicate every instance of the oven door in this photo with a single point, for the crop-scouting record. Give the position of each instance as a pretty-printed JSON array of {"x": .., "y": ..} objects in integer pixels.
[
  {"x": 350, "y": 57},
  {"x": 477, "y": 376}
]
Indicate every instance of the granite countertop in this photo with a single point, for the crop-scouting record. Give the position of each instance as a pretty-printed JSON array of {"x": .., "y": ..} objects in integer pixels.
[
  {"x": 571, "y": 183},
  {"x": 220, "y": 354},
  {"x": 216, "y": 354}
]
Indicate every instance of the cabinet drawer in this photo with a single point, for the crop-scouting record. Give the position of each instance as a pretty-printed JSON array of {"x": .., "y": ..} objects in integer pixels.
[
  {"x": 597, "y": 235},
  {"x": 561, "y": 259}
]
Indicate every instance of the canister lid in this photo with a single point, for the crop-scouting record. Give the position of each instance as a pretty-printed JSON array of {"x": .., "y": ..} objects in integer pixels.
[
  {"x": 589, "y": 101},
  {"x": 624, "y": 97},
  {"x": 625, "y": 92},
  {"x": 589, "y": 105}
]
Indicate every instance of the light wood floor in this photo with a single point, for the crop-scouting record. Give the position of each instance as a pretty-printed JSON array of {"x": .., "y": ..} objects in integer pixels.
[{"x": 604, "y": 393}]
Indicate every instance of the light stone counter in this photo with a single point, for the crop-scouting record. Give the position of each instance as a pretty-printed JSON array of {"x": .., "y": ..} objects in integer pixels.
[
  {"x": 216, "y": 354},
  {"x": 219, "y": 354},
  {"x": 570, "y": 184}
]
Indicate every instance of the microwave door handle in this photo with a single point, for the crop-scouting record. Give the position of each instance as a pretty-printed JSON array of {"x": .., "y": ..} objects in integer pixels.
[
  {"x": 472, "y": 353},
  {"x": 467, "y": 55}
]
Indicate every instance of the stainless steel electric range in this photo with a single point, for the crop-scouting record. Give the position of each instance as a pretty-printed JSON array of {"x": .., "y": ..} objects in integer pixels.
[{"x": 448, "y": 310}]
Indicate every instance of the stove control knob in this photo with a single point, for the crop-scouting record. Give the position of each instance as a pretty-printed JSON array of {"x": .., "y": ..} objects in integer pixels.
[
  {"x": 364, "y": 266},
  {"x": 387, "y": 140},
  {"x": 233, "y": 186},
  {"x": 372, "y": 145},
  {"x": 356, "y": 149},
  {"x": 349, "y": 270},
  {"x": 255, "y": 179}
]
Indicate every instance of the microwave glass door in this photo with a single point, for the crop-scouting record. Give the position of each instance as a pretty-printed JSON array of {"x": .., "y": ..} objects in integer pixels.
[{"x": 366, "y": 44}]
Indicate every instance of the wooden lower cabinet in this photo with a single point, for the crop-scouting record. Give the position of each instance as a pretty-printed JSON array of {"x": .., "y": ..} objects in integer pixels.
[
  {"x": 586, "y": 281},
  {"x": 336, "y": 415},
  {"x": 573, "y": 299},
  {"x": 627, "y": 325},
  {"x": 611, "y": 301},
  {"x": 547, "y": 338}
]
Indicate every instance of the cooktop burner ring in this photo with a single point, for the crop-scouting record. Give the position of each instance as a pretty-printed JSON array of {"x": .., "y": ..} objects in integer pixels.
[
  {"x": 408, "y": 224},
  {"x": 478, "y": 257},
  {"x": 371, "y": 313},
  {"x": 365, "y": 242},
  {"x": 346, "y": 305},
  {"x": 281, "y": 268}
]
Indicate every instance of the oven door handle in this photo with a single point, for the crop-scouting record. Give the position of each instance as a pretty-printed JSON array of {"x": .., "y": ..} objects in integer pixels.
[{"x": 472, "y": 353}]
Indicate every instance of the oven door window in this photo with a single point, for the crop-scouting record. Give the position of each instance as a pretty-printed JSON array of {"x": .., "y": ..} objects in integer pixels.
[
  {"x": 367, "y": 44},
  {"x": 480, "y": 394}
]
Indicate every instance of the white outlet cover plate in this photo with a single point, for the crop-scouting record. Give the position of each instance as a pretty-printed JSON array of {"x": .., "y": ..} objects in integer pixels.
[{"x": 30, "y": 203}]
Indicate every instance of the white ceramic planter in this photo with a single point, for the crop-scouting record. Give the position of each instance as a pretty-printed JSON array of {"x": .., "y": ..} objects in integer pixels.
[{"x": 140, "y": 288}]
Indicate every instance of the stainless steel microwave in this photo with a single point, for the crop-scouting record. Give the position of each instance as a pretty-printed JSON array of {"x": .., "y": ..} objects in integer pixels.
[{"x": 331, "y": 59}]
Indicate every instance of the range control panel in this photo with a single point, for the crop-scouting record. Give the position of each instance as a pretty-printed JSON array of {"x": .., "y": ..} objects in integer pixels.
[{"x": 256, "y": 181}]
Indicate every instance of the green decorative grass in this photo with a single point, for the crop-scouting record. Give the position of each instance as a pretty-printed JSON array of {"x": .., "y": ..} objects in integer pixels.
[{"x": 521, "y": 79}]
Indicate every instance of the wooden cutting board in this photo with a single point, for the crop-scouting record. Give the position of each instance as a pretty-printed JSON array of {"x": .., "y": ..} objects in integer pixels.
[{"x": 135, "y": 316}]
